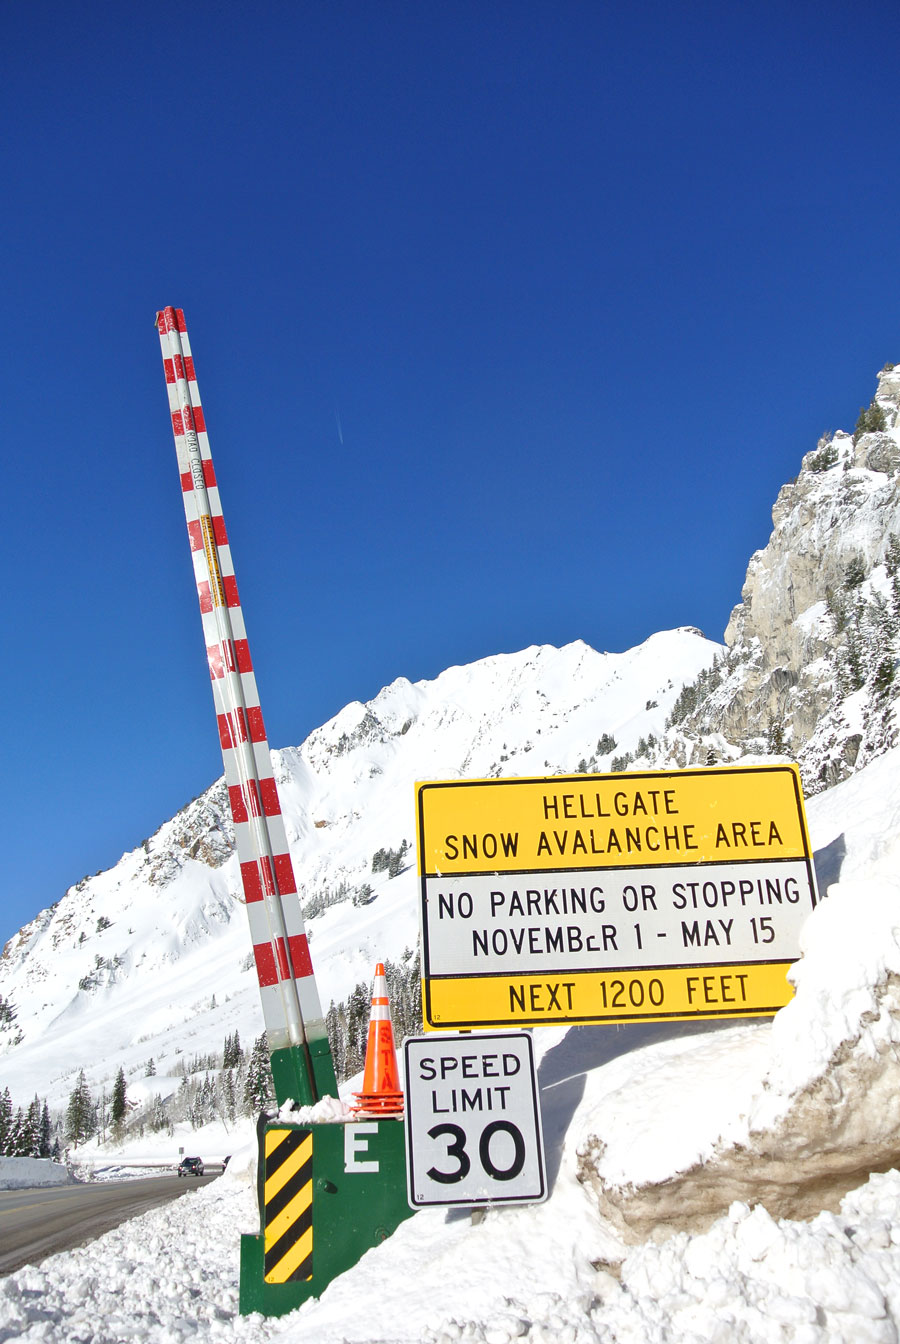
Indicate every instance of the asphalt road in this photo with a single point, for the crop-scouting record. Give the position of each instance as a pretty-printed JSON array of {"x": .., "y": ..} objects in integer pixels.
[{"x": 40, "y": 1222}]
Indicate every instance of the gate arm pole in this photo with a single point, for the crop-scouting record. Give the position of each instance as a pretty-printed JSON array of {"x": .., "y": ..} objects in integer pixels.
[{"x": 302, "y": 1066}]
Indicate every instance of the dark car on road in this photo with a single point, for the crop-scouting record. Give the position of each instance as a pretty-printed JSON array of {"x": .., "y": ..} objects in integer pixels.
[{"x": 190, "y": 1166}]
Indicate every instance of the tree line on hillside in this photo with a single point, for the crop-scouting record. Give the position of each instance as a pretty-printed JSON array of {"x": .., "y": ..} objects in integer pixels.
[
  {"x": 385, "y": 860},
  {"x": 33, "y": 1131},
  {"x": 86, "y": 1116},
  {"x": 215, "y": 1086},
  {"x": 8, "y": 1025},
  {"x": 27, "y": 1132}
]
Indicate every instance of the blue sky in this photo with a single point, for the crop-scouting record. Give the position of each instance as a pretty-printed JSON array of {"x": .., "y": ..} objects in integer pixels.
[{"x": 509, "y": 318}]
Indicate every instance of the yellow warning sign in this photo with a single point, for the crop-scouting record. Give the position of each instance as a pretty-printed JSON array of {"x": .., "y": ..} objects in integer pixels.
[
  {"x": 612, "y": 897},
  {"x": 595, "y": 996},
  {"x": 607, "y": 821}
]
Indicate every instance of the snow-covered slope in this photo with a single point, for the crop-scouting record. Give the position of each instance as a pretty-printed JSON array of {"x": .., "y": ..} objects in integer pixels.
[{"x": 152, "y": 958}]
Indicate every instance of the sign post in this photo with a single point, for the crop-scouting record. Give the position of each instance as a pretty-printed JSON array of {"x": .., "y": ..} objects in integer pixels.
[{"x": 611, "y": 898}]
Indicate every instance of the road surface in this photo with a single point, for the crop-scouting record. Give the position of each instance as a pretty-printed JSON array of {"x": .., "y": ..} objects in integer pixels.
[{"x": 39, "y": 1222}]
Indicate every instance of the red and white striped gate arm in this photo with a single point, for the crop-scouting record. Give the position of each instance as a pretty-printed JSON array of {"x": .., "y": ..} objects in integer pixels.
[{"x": 290, "y": 998}]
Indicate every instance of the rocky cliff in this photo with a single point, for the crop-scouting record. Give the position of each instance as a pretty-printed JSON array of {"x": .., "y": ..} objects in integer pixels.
[{"x": 810, "y": 667}]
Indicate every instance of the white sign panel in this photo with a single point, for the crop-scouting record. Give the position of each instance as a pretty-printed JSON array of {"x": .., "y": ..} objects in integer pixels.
[
  {"x": 507, "y": 924},
  {"x": 473, "y": 1120}
]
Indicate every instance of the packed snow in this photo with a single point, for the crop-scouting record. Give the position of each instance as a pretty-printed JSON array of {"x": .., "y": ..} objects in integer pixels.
[
  {"x": 626, "y": 1112},
  {"x": 27, "y": 1173}
]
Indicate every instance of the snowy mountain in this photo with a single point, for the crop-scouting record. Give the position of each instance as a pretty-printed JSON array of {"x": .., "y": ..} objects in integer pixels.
[
  {"x": 721, "y": 1181},
  {"x": 151, "y": 959}
]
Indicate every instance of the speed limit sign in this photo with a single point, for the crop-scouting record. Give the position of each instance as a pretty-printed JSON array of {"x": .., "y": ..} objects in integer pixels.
[{"x": 473, "y": 1120}]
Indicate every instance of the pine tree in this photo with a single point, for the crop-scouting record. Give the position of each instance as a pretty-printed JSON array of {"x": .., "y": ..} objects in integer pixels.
[
  {"x": 31, "y": 1137},
  {"x": 6, "y": 1123},
  {"x": 259, "y": 1092},
  {"x": 853, "y": 669},
  {"x": 208, "y": 1106},
  {"x": 892, "y": 555},
  {"x": 884, "y": 621},
  {"x": 395, "y": 860},
  {"x": 336, "y": 1026},
  {"x": 13, "y": 1133},
  {"x": 855, "y": 572},
  {"x": 871, "y": 420},
  {"x": 159, "y": 1118},
  {"x": 229, "y": 1097},
  {"x": 80, "y": 1112},
  {"x": 883, "y": 680},
  {"x": 232, "y": 1054},
  {"x": 836, "y": 606},
  {"x": 119, "y": 1103},
  {"x": 18, "y": 1140},
  {"x": 45, "y": 1133},
  {"x": 777, "y": 742},
  {"x": 359, "y": 1010}
]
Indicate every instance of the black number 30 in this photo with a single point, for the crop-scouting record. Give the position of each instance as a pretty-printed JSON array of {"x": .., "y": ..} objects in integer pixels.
[{"x": 457, "y": 1149}]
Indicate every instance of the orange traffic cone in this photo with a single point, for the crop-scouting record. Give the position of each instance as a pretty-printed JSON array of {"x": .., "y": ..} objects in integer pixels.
[{"x": 381, "y": 1093}]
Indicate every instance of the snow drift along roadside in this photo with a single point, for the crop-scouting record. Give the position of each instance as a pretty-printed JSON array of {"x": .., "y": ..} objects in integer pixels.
[{"x": 25, "y": 1173}]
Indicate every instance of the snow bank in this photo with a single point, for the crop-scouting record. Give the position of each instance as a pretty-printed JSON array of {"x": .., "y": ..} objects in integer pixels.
[
  {"x": 751, "y": 1278},
  {"x": 846, "y": 996},
  {"x": 536, "y": 1275},
  {"x": 792, "y": 1115},
  {"x": 169, "y": 1275},
  {"x": 22, "y": 1173}
]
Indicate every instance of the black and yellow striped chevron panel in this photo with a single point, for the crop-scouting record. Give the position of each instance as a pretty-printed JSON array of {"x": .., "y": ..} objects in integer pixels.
[{"x": 287, "y": 1202}]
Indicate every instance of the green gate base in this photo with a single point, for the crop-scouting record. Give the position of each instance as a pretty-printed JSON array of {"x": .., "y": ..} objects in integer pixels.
[
  {"x": 358, "y": 1179},
  {"x": 291, "y": 1067}
]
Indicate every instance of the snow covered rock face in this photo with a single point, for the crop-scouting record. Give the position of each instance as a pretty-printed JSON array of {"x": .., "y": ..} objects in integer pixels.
[
  {"x": 811, "y": 647},
  {"x": 817, "y": 1093}
]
